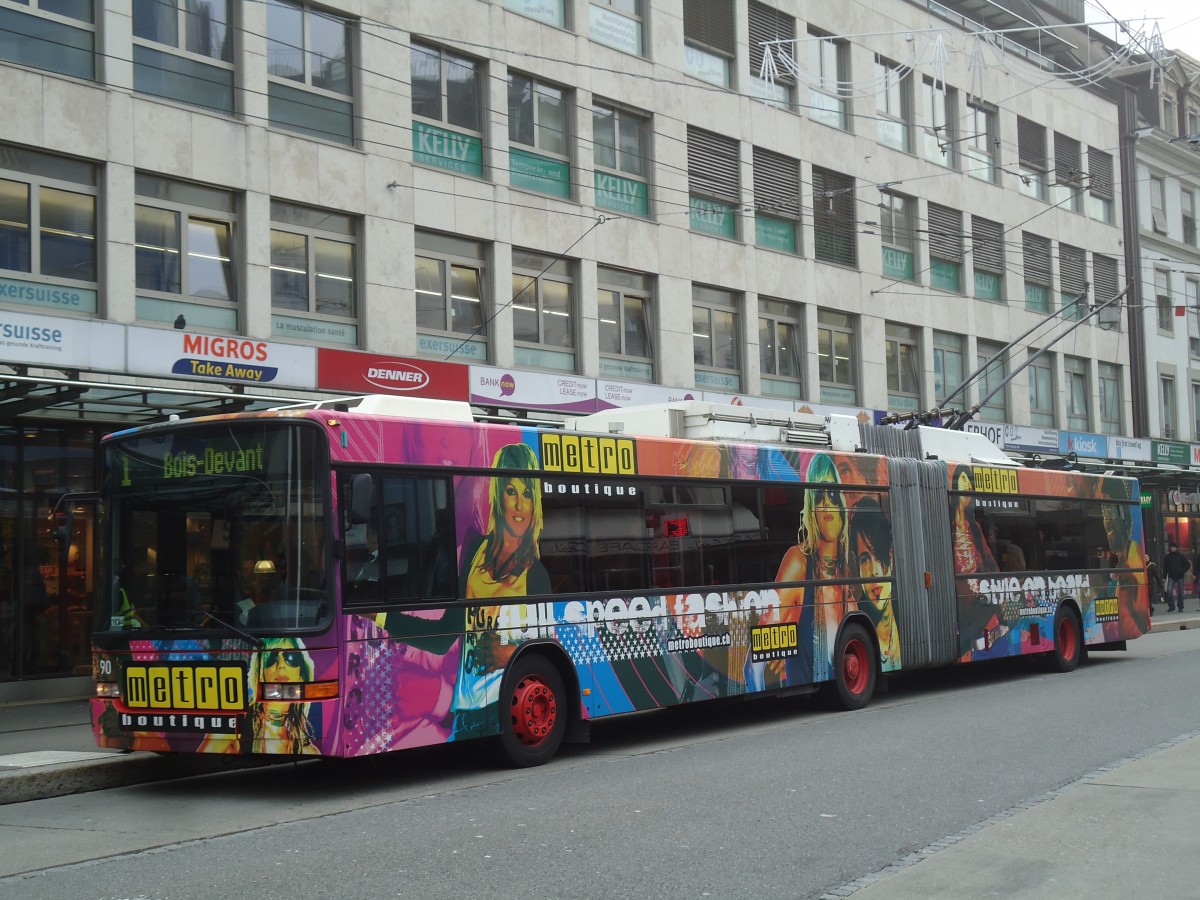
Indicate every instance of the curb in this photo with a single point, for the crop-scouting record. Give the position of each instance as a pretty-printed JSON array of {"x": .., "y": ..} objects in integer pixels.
[{"x": 61, "y": 780}]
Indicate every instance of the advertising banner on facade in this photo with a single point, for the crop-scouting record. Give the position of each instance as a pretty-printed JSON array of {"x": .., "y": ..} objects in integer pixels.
[
  {"x": 227, "y": 359},
  {"x": 1029, "y": 439},
  {"x": 1129, "y": 448},
  {"x": 1081, "y": 444},
  {"x": 61, "y": 342},
  {"x": 532, "y": 390},
  {"x": 368, "y": 373}
]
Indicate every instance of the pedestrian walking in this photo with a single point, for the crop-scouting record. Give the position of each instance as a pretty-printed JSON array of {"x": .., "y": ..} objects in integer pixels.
[
  {"x": 1175, "y": 568},
  {"x": 1155, "y": 583}
]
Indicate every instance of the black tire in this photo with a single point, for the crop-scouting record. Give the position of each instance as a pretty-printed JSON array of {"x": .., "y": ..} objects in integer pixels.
[
  {"x": 855, "y": 668},
  {"x": 533, "y": 711},
  {"x": 1068, "y": 641}
]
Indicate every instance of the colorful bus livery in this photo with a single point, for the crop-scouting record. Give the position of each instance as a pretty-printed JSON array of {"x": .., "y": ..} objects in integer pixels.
[{"x": 350, "y": 582}]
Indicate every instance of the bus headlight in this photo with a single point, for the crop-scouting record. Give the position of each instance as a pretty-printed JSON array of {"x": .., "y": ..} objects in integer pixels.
[
  {"x": 110, "y": 690},
  {"x": 314, "y": 690}
]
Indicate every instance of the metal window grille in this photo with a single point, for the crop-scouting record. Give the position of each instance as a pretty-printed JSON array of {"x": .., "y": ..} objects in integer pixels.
[
  {"x": 833, "y": 217},
  {"x": 776, "y": 184},
  {"x": 945, "y": 233},
  {"x": 1031, "y": 144},
  {"x": 765, "y": 23},
  {"x": 713, "y": 165},
  {"x": 1036, "y": 251}
]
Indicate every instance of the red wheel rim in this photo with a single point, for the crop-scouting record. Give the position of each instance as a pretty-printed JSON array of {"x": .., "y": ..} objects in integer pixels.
[
  {"x": 1068, "y": 638},
  {"x": 855, "y": 667},
  {"x": 534, "y": 711}
]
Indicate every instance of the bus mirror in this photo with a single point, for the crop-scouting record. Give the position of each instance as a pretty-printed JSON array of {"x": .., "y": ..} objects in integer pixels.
[{"x": 362, "y": 498}]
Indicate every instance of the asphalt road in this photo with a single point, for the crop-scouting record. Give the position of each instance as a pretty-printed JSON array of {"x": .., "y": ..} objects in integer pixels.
[{"x": 775, "y": 798}]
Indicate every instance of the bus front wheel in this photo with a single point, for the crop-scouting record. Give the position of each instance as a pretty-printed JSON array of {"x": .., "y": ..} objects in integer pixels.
[
  {"x": 1068, "y": 641},
  {"x": 855, "y": 662},
  {"x": 533, "y": 711}
]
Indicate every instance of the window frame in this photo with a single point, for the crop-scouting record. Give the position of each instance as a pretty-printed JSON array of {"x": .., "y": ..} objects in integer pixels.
[
  {"x": 454, "y": 252},
  {"x": 1168, "y": 405},
  {"x": 1158, "y": 204},
  {"x": 707, "y": 303},
  {"x": 714, "y": 183},
  {"x": 313, "y": 225},
  {"x": 987, "y": 257},
  {"x": 995, "y": 410},
  {"x": 1042, "y": 412},
  {"x": 777, "y": 189},
  {"x": 287, "y": 92},
  {"x": 709, "y": 41},
  {"x": 1162, "y": 301},
  {"x": 893, "y": 104},
  {"x": 982, "y": 146},
  {"x": 624, "y": 120},
  {"x": 832, "y": 325},
  {"x": 542, "y": 270},
  {"x": 1077, "y": 374},
  {"x": 446, "y": 59},
  {"x": 41, "y": 173},
  {"x": 627, "y": 286},
  {"x": 902, "y": 359},
  {"x": 939, "y": 126},
  {"x": 1108, "y": 376},
  {"x": 1038, "y": 276},
  {"x": 1100, "y": 185},
  {"x": 215, "y": 73},
  {"x": 618, "y": 8},
  {"x": 777, "y": 318},
  {"x": 948, "y": 346},
  {"x": 56, "y": 37},
  {"x": 898, "y": 234},
  {"x": 827, "y": 97},
  {"x": 946, "y": 246},
  {"x": 1032, "y": 165},
  {"x": 529, "y": 175},
  {"x": 163, "y": 305},
  {"x": 761, "y": 21}
]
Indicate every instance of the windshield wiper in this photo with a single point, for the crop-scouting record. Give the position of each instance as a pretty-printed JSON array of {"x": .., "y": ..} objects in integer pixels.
[{"x": 256, "y": 642}]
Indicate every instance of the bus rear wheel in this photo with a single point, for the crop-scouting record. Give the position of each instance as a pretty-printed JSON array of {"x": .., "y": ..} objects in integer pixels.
[
  {"x": 1068, "y": 641},
  {"x": 534, "y": 711},
  {"x": 855, "y": 663}
]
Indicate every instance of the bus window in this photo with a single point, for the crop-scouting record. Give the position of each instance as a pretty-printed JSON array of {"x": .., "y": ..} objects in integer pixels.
[{"x": 693, "y": 535}]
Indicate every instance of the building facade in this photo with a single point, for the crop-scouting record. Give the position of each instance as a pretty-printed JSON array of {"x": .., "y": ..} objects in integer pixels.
[{"x": 542, "y": 206}]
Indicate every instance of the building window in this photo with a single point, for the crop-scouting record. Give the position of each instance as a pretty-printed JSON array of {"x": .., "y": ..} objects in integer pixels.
[
  {"x": 1105, "y": 288},
  {"x": 945, "y": 248},
  {"x": 903, "y": 358},
  {"x": 776, "y": 201},
  {"x": 893, "y": 104},
  {"x": 452, "y": 312},
  {"x": 1068, "y": 174},
  {"x": 184, "y": 236},
  {"x": 1196, "y": 410},
  {"x": 714, "y": 191},
  {"x": 1041, "y": 390},
  {"x": 619, "y": 24},
  {"x": 1167, "y": 406},
  {"x": 538, "y": 117},
  {"x": 772, "y": 40},
  {"x": 52, "y": 35},
  {"x": 48, "y": 230},
  {"x": 1187, "y": 202},
  {"x": 829, "y": 74},
  {"x": 834, "y": 227},
  {"x": 1035, "y": 252},
  {"x": 837, "y": 357},
  {"x": 1192, "y": 286},
  {"x": 948, "y": 370},
  {"x": 626, "y": 324},
  {"x": 938, "y": 131},
  {"x": 543, "y": 311},
  {"x": 1168, "y": 118},
  {"x": 183, "y": 51},
  {"x": 995, "y": 408},
  {"x": 1162, "y": 301},
  {"x": 1158, "y": 204},
  {"x": 447, "y": 128},
  {"x": 897, "y": 230},
  {"x": 1100, "y": 185},
  {"x": 1079, "y": 417},
  {"x": 1031, "y": 153},
  {"x": 780, "y": 348},
  {"x": 552, "y": 12},
  {"x": 987, "y": 255},
  {"x": 621, "y": 155},
  {"x": 314, "y": 272},
  {"x": 1110, "y": 398},
  {"x": 709, "y": 40},
  {"x": 310, "y": 64},
  {"x": 715, "y": 339},
  {"x": 980, "y": 142},
  {"x": 1072, "y": 281}
]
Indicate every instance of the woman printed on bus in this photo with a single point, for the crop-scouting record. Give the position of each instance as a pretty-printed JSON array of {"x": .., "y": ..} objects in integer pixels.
[
  {"x": 275, "y": 726},
  {"x": 504, "y": 562},
  {"x": 981, "y": 622},
  {"x": 1132, "y": 592},
  {"x": 822, "y": 553},
  {"x": 871, "y": 540}
]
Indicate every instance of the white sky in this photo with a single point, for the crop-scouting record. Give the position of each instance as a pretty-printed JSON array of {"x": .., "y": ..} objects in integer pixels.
[{"x": 1178, "y": 20}]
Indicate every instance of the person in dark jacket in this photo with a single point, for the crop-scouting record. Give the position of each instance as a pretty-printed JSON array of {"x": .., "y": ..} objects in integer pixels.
[{"x": 1175, "y": 567}]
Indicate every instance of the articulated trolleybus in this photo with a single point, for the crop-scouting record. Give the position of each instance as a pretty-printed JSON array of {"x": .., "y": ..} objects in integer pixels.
[{"x": 344, "y": 582}]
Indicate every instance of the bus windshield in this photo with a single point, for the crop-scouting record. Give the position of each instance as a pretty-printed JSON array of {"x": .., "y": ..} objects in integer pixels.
[{"x": 217, "y": 525}]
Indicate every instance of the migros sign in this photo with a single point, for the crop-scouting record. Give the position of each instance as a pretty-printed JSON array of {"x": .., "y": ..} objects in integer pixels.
[
  {"x": 206, "y": 686},
  {"x": 588, "y": 454}
]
